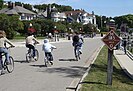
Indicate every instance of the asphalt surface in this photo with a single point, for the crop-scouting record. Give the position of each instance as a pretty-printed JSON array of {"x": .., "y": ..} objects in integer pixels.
[{"x": 34, "y": 76}]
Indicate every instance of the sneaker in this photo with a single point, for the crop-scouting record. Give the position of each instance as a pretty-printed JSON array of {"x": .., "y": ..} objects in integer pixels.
[
  {"x": 80, "y": 52},
  {"x": 35, "y": 58},
  {"x": 8, "y": 63},
  {"x": 51, "y": 62}
]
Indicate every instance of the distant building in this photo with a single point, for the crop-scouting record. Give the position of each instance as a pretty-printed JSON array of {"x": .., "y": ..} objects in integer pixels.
[
  {"x": 80, "y": 16},
  {"x": 24, "y": 14},
  {"x": 57, "y": 16}
]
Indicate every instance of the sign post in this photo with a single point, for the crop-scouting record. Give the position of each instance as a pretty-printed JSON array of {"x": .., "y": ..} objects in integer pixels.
[{"x": 111, "y": 40}]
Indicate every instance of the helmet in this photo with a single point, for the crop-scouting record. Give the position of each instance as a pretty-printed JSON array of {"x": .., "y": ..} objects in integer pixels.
[{"x": 46, "y": 40}]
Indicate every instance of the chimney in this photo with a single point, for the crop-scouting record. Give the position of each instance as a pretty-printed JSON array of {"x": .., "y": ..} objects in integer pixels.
[{"x": 11, "y": 5}]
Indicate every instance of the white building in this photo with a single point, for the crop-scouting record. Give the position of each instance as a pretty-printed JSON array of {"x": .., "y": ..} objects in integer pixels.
[{"x": 80, "y": 16}]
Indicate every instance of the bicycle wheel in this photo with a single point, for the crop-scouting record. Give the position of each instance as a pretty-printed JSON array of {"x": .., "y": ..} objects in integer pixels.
[
  {"x": 28, "y": 57},
  {"x": 10, "y": 67},
  {"x": 36, "y": 55},
  {"x": 77, "y": 54}
]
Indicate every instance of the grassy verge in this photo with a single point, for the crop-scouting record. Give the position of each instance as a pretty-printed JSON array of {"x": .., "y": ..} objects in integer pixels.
[
  {"x": 97, "y": 77},
  {"x": 23, "y": 38}
]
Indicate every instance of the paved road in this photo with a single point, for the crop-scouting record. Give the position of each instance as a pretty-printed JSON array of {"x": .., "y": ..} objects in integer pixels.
[{"x": 35, "y": 77}]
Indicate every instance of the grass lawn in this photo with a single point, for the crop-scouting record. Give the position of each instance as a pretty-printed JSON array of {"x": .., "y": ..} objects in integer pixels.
[
  {"x": 23, "y": 38},
  {"x": 97, "y": 76}
]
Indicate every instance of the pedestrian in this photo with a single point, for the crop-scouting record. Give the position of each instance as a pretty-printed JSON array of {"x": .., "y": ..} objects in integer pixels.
[
  {"x": 124, "y": 44},
  {"x": 47, "y": 48}
]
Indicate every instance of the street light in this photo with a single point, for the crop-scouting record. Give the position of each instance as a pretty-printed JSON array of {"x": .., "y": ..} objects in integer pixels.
[{"x": 101, "y": 22}]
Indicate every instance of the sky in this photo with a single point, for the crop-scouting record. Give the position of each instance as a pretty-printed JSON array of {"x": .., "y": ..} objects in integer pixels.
[{"x": 109, "y": 8}]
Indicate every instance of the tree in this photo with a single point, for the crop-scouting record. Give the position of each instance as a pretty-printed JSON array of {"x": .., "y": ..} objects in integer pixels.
[
  {"x": 126, "y": 19},
  {"x": 10, "y": 24},
  {"x": 18, "y": 3},
  {"x": 28, "y": 6},
  {"x": 60, "y": 27},
  {"x": 1, "y": 4}
]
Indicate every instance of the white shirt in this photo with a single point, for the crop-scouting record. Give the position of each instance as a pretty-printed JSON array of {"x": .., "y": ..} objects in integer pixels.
[
  {"x": 31, "y": 40},
  {"x": 47, "y": 47},
  {"x": 3, "y": 40}
]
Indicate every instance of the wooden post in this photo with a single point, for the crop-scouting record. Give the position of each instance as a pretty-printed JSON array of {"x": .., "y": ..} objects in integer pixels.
[{"x": 110, "y": 67}]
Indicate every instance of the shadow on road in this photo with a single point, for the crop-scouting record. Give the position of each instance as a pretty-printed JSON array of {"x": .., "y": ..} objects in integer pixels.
[
  {"x": 38, "y": 66},
  {"x": 20, "y": 61},
  {"x": 67, "y": 60},
  {"x": 72, "y": 71}
]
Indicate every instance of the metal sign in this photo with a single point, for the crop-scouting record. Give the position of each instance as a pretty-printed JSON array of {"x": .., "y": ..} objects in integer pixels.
[{"x": 111, "y": 39}]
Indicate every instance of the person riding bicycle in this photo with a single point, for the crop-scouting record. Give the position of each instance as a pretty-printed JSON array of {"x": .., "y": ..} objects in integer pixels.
[
  {"x": 78, "y": 41},
  {"x": 47, "y": 48},
  {"x": 30, "y": 43},
  {"x": 3, "y": 41}
]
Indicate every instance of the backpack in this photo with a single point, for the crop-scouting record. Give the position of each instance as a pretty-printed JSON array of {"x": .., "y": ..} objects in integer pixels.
[{"x": 76, "y": 38}]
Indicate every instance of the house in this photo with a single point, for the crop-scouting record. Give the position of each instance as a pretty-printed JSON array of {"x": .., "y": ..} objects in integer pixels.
[
  {"x": 57, "y": 16},
  {"x": 24, "y": 14},
  {"x": 80, "y": 16}
]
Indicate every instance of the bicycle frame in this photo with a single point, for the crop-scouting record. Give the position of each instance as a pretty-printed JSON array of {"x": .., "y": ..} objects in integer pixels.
[
  {"x": 29, "y": 55},
  {"x": 77, "y": 53}
]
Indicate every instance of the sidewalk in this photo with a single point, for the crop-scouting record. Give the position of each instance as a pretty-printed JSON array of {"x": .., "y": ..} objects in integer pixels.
[{"x": 125, "y": 62}]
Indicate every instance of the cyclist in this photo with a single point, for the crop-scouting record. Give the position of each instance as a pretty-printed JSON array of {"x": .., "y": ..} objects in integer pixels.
[
  {"x": 47, "y": 48},
  {"x": 30, "y": 43},
  {"x": 78, "y": 41},
  {"x": 3, "y": 41}
]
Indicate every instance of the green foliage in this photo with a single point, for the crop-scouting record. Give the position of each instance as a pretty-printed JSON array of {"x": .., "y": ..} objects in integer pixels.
[
  {"x": 61, "y": 27},
  {"x": 61, "y": 8},
  {"x": 4, "y": 22},
  {"x": 128, "y": 19},
  {"x": 10, "y": 24},
  {"x": 1, "y": 4},
  {"x": 41, "y": 7},
  {"x": 37, "y": 28},
  {"x": 28, "y": 6},
  {"x": 89, "y": 28},
  {"x": 18, "y": 3}
]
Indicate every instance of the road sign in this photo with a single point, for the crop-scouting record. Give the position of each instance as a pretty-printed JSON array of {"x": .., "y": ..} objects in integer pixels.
[{"x": 111, "y": 39}]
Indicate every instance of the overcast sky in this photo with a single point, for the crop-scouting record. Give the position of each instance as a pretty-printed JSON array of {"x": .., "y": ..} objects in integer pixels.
[{"x": 100, "y": 7}]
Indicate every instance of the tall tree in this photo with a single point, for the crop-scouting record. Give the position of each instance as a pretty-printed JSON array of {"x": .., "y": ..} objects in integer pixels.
[{"x": 1, "y": 4}]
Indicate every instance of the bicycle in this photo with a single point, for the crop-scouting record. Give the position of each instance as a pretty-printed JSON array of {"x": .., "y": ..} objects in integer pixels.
[
  {"x": 4, "y": 65},
  {"x": 77, "y": 52},
  {"x": 29, "y": 55},
  {"x": 48, "y": 59}
]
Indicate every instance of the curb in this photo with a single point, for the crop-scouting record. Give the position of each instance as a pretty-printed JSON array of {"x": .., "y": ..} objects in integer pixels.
[
  {"x": 76, "y": 83},
  {"x": 123, "y": 68}
]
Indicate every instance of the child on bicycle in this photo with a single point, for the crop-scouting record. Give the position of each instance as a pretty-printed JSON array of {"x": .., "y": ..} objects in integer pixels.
[
  {"x": 30, "y": 43},
  {"x": 47, "y": 48},
  {"x": 78, "y": 41},
  {"x": 3, "y": 41}
]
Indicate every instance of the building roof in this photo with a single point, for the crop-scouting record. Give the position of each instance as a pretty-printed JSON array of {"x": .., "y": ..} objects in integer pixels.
[
  {"x": 10, "y": 12},
  {"x": 22, "y": 10},
  {"x": 76, "y": 12},
  {"x": 16, "y": 10},
  {"x": 4, "y": 10}
]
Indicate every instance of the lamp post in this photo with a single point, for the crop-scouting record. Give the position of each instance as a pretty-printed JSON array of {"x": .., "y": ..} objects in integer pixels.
[{"x": 101, "y": 22}]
